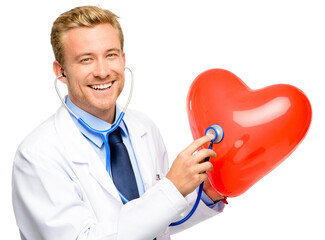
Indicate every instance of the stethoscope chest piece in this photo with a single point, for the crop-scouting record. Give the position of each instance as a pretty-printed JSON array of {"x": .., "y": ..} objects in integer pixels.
[{"x": 217, "y": 131}]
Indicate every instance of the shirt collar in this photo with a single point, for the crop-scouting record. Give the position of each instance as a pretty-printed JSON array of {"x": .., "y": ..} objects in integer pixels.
[{"x": 95, "y": 123}]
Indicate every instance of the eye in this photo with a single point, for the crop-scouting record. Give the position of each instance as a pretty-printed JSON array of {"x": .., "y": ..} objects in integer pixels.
[
  {"x": 110, "y": 55},
  {"x": 85, "y": 60}
]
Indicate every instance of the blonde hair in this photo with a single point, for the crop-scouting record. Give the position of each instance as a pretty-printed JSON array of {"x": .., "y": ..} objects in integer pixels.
[{"x": 86, "y": 16}]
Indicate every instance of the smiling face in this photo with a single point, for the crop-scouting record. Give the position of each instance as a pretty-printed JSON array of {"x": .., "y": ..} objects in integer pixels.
[{"x": 94, "y": 65}]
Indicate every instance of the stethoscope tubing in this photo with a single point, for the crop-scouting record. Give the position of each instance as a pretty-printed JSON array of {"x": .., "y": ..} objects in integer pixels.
[{"x": 197, "y": 201}]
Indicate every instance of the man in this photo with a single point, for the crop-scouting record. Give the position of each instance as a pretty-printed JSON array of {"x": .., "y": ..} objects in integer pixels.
[{"x": 61, "y": 189}]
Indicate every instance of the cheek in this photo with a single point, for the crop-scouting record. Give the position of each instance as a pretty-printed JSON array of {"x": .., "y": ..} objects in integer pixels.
[
  {"x": 79, "y": 71},
  {"x": 76, "y": 76}
]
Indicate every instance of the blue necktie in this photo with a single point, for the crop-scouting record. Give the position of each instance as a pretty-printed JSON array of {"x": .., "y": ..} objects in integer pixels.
[{"x": 122, "y": 171}]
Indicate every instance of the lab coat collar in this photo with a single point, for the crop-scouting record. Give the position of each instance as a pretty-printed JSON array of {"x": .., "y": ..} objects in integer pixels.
[{"x": 138, "y": 129}]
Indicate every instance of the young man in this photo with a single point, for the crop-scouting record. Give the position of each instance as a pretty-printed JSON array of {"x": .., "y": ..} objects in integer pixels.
[{"x": 61, "y": 189}]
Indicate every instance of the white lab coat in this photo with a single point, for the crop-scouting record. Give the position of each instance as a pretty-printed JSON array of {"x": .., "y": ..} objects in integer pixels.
[{"x": 61, "y": 189}]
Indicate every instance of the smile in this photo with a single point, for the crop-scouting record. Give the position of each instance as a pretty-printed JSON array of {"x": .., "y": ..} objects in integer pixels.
[{"x": 102, "y": 86}]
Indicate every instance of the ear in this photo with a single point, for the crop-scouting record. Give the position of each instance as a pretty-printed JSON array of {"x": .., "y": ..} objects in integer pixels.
[
  {"x": 123, "y": 57},
  {"x": 58, "y": 70}
]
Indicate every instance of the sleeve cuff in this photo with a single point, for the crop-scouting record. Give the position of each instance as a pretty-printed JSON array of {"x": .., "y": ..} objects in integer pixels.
[
  {"x": 218, "y": 206},
  {"x": 174, "y": 196}
]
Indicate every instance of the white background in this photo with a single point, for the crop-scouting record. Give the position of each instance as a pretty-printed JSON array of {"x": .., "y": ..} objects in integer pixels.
[{"x": 168, "y": 43}]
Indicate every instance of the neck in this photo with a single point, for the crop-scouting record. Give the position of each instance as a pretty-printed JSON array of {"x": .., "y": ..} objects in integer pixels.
[{"x": 107, "y": 115}]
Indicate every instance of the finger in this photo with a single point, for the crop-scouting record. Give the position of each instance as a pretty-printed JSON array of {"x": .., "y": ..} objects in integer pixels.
[
  {"x": 194, "y": 146},
  {"x": 203, "y": 167},
  {"x": 203, "y": 177},
  {"x": 202, "y": 154}
]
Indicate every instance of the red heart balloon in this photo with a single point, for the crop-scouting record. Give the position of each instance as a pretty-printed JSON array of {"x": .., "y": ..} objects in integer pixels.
[{"x": 261, "y": 127}]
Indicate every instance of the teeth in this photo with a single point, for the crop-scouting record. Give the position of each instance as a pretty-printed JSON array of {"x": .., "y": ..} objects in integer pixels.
[{"x": 102, "y": 86}]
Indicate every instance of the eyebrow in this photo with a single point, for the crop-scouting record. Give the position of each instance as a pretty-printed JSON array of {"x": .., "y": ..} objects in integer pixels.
[
  {"x": 114, "y": 50},
  {"x": 82, "y": 55}
]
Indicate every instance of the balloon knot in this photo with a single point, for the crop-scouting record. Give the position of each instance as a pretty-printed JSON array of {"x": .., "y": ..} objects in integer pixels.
[{"x": 224, "y": 200}]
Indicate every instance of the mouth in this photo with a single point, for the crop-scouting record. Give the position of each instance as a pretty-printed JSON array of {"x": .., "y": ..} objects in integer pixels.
[{"x": 101, "y": 87}]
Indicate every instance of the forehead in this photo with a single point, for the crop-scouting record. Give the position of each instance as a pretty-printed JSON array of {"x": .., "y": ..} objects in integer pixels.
[{"x": 101, "y": 37}]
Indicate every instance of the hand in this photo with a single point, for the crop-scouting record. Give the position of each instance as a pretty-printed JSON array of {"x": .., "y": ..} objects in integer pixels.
[
  {"x": 188, "y": 170},
  {"x": 210, "y": 192}
]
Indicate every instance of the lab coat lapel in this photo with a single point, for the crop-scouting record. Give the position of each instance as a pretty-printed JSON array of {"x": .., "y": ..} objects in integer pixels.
[
  {"x": 137, "y": 131},
  {"x": 80, "y": 151}
]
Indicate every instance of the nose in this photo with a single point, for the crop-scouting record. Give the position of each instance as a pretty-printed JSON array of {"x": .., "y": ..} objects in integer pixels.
[{"x": 102, "y": 69}]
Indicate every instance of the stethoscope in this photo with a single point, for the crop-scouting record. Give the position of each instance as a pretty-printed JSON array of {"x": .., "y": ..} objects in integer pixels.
[
  {"x": 214, "y": 130},
  {"x": 105, "y": 133}
]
